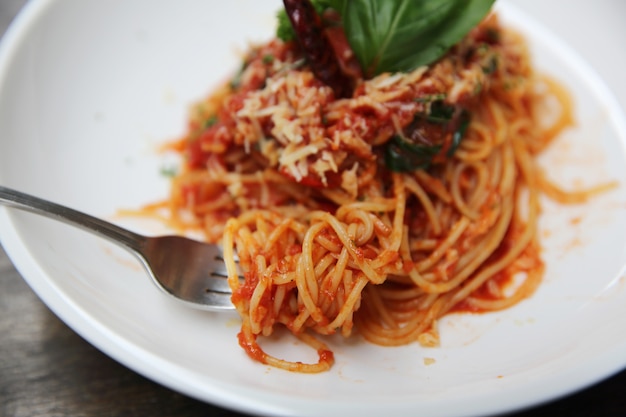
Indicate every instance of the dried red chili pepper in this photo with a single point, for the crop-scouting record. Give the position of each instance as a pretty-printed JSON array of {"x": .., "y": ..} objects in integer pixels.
[{"x": 319, "y": 51}]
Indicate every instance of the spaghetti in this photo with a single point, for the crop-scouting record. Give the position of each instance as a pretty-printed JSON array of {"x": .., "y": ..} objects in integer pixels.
[{"x": 332, "y": 229}]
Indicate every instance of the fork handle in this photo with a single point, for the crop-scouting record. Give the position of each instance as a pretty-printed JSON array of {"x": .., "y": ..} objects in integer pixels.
[{"x": 107, "y": 230}]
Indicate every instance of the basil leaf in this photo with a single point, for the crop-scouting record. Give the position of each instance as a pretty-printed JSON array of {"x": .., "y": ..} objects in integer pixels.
[
  {"x": 401, "y": 35},
  {"x": 440, "y": 112},
  {"x": 284, "y": 30},
  {"x": 212, "y": 120},
  {"x": 409, "y": 153},
  {"x": 403, "y": 156},
  {"x": 459, "y": 133}
]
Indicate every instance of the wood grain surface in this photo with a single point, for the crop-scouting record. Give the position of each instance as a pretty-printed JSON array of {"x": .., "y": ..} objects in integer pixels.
[{"x": 47, "y": 370}]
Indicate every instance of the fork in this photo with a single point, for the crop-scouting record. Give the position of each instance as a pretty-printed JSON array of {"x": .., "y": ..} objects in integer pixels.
[{"x": 192, "y": 272}]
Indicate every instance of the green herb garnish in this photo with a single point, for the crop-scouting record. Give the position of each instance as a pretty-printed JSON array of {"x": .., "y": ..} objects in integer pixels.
[
  {"x": 403, "y": 156},
  {"x": 210, "y": 122},
  {"x": 285, "y": 31},
  {"x": 168, "y": 172},
  {"x": 491, "y": 65},
  {"x": 440, "y": 113},
  {"x": 401, "y": 35},
  {"x": 459, "y": 132}
]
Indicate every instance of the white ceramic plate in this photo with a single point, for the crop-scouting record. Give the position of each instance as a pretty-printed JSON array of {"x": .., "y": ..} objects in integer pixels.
[{"x": 88, "y": 89}]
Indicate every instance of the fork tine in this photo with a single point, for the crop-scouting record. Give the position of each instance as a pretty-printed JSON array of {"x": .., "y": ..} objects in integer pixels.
[
  {"x": 220, "y": 268},
  {"x": 217, "y": 292},
  {"x": 219, "y": 276},
  {"x": 218, "y": 300},
  {"x": 218, "y": 283}
]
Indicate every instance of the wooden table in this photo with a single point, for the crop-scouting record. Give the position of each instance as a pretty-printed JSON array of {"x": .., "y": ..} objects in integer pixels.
[{"x": 47, "y": 370}]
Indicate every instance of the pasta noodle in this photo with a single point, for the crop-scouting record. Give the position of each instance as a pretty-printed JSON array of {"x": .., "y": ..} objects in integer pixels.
[{"x": 294, "y": 183}]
